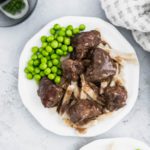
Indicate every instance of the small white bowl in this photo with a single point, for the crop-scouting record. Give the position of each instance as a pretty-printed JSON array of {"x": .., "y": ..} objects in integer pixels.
[
  {"x": 116, "y": 144},
  {"x": 18, "y": 15},
  {"x": 48, "y": 118}
]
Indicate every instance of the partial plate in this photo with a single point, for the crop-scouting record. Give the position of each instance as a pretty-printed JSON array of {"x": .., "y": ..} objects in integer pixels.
[
  {"x": 116, "y": 144},
  {"x": 48, "y": 118}
]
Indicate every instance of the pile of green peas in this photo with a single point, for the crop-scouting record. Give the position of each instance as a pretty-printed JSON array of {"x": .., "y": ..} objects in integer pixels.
[{"x": 46, "y": 60}]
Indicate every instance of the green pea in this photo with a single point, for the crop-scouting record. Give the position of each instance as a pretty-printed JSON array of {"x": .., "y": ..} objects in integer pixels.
[
  {"x": 52, "y": 31},
  {"x": 51, "y": 76},
  {"x": 37, "y": 77},
  {"x": 40, "y": 49},
  {"x": 55, "y": 36},
  {"x": 34, "y": 57},
  {"x": 55, "y": 62},
  {"x": 43, "y": 66},
  {"x": 44, "y": 45},
  {"x": 31, "y": 68},
  {"x": 59, "y": 52},
  {"x": 57, "y": 79},
  {"x": 61, "y": 33},
  {"x": 50, "y": 38},
  {"x": 57, "y": 27},
  {"x": 26, "y": 70},
  {"x": 54, "y": 69},
  {"x": 59, "y": 72},
  {"x": 43, "y": 38},
  {"x": 64, "y": 47},
  {"x": 36, "y": 62},
  {"x": 69, "y": 32},
  {"x": 82, "y": 27},
  {"x": 30, "y": 62},
  {"x": 49, "y": 63},
  {"x": 60, "y": 39},
  {"x": 37, "y": 70},
  {"x": 54, "y": 56},
  {"x": 40, "y": 56},
  {"x": 44, "y": 53},
  {"x": 43, "y": 60},
  {"x": 63, "y": 29},
  {"x": 67, "y": 41},
  {"x": 48, "y": 57},
  {"x": 58, "y": 57},
  {"x": 65, "y": 53},
  {"x": 59, "y": 45},
  {"x": 49, "y": 49},
  {"x": 70, "y": 49},
  {"x": 34, "y": 49},
  {"x": 33, "y": 73},
  {"x": 76, "y": 30},
  {"x": 29, "y": 76},
  {"x": 70, "y": 27},
  {"x": 54, "y": 44},
  {"x": 42, "y": 74},
  {"x": 47, "y": 71},
  {"x": 52, "y": 52}
]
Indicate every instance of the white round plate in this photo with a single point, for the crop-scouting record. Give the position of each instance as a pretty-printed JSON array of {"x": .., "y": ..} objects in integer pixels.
[
  {"x": 48, "y": 118},
  {"x": 116, "y": 144}
]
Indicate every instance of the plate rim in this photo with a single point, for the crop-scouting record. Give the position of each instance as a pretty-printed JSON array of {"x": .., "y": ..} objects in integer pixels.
[{"x": 115, "y": 138}]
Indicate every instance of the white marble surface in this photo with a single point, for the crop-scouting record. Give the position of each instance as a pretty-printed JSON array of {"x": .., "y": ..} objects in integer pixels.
[{"x": 18, "y": 129}]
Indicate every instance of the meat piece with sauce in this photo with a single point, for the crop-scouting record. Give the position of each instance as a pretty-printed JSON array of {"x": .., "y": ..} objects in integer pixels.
[
  {"x": 115, "y": 97},
  {"x": 50, "y": 93},
  {"x": 72, "y": 69},
  {"x": 83, "y": 111},
  {"x": 101, "y": 68},
  {"x": 84, "y": 42}
]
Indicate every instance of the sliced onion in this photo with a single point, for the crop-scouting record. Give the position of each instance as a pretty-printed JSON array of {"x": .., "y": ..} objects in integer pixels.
[
  {"x": 87, "y": 89},
  {"x": 76, "y": 89},
  {"x": 66, "y": 99}
]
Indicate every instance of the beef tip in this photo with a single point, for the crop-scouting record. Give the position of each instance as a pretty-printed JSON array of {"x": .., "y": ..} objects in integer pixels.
[
  {"x": 50, "y": 93},
  {"x": 84, "y": 42},
  {"x": 86, "y": 62},
  {"x": 115, "y": 97},
  {"x": 72, "y": 69},
  {"x": 83, "y": 111},
  {"x": 102, "y": 67}
]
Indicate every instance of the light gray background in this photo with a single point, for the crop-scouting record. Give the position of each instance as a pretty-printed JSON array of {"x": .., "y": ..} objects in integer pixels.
[{"x": 18, "y": 129}]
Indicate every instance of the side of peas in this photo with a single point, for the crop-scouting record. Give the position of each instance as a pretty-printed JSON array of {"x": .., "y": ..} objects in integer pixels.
[{"x": 45, "y": 60}]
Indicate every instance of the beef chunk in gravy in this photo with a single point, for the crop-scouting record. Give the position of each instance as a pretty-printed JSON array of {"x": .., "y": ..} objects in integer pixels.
[
  {"x": 115, "y": 97},
  {"x": 84, "y": 42},
  {"x": 83, "y": 111},
  {"x": 102, "y": 66},
  {"x": 50, "y": 93},
  {"x": 72, "y": 69}
]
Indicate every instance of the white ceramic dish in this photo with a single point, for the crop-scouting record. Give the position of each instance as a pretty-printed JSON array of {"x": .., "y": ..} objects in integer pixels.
[
  {"x": 48, "y": 118},
  {"x": 116, "y": 144}
]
